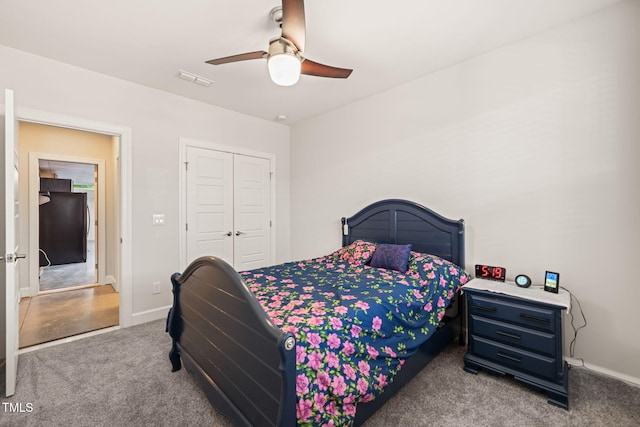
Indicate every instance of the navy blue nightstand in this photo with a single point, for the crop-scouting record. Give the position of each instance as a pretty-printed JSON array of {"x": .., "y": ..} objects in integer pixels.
[{"x": 518, "y": 336}]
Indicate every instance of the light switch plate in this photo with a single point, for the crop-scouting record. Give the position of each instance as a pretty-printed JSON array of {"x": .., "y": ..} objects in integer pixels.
[{"x": 158, "y": 219}]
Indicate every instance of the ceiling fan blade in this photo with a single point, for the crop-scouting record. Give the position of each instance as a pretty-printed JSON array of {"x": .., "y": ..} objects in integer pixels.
[
  {"x": 293, "y": 25},
  {"x": 316, "y": 69},
  {"x": 235, "y": 58}
]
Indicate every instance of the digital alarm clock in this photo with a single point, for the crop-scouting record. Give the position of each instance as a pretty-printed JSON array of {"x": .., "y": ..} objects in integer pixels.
[{"x": 490, "y": 273}]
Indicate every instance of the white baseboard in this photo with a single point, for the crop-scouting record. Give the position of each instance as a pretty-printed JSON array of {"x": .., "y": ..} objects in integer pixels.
[
  {"x": 109, "y": 280},
  {"x": 150, "y": 315},
  {"x": 608, "y": 372}
]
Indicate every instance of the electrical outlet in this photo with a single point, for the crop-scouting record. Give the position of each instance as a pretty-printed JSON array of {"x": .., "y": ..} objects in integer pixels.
[{"x": 155, "y": 288}]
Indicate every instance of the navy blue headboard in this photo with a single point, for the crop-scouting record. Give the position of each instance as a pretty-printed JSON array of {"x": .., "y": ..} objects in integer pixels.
[{"x": 401, "y": 222}]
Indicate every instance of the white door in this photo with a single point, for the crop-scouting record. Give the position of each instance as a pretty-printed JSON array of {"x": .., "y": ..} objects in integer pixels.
[
  {"x": 10, "y": 254},
  {"x": 252, "y": 212},
  {"x": 209, "y": 181},
  {"x": 228, "y": 207}
]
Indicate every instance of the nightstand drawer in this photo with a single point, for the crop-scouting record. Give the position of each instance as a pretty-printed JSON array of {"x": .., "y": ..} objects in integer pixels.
[
  {"x": 527, "y": 339},
  {"x": 521, "y": 360},
  {"x": 530, "y": 316}
]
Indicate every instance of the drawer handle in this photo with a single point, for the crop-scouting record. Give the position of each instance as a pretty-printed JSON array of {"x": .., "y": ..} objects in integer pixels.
[
  {"x": 480, "y": 307},
  {"x": 535, "y": 319},
  {"x": 505, "y": 334},
  {"x": 514, "y": 359}
]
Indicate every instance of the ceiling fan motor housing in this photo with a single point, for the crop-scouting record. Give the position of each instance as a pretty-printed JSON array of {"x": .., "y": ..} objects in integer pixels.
[{"x": 280, "y": 45}]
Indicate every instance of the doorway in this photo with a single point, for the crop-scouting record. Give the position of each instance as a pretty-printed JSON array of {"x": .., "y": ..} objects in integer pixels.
[
  {"x": 73, "y": 231},
  {"x": 67, "y": 219}
]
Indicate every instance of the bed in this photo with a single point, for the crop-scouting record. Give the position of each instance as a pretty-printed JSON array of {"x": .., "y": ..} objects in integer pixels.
[{"x": 252, "y": 361}]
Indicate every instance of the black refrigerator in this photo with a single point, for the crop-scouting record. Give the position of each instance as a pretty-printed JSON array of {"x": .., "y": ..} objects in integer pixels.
[{"x": 63, "y": 228}]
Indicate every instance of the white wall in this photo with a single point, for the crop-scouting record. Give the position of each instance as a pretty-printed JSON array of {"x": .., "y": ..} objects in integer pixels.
[
  {"x": 533, "y": 144},
  {"x": 157, "y": 120}
]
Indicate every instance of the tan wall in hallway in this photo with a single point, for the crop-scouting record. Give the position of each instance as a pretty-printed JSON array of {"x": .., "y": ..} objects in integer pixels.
[{"x": 39, "y": 138}]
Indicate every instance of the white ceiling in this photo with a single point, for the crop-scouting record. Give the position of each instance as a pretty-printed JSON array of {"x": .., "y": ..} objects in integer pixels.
[{"x": 386, "y": 43}]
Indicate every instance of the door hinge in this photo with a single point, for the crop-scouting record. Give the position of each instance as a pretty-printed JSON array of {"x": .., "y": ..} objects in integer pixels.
[
  {"x": 270, "y": 223},
  {"x": 186, "y": 166},
  {"x": 186, "y": 227}
]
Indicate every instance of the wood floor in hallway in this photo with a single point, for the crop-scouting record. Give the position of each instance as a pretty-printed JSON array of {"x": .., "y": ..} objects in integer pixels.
[{"x": 60, "y": 315}]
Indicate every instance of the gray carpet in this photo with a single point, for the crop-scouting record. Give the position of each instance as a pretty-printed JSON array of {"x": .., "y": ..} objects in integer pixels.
[{"x": 124, "y": 378}]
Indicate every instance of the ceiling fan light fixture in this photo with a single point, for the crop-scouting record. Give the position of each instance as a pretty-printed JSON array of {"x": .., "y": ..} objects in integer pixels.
[{"x": 284, "y": 68}]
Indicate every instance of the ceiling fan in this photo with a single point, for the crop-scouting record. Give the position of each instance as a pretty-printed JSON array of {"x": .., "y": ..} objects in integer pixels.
[{"x": 284, "y": 58}]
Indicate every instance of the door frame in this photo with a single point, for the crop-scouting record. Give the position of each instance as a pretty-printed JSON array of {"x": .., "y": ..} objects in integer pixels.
[
  {"x": 182, "y": 191},
  {"x": 123, "y": 186},
  {"x": 34, "y": 215}
]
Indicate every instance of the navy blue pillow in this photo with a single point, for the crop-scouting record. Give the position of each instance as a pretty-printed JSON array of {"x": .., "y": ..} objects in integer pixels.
[{"x": 393, "y": 257}]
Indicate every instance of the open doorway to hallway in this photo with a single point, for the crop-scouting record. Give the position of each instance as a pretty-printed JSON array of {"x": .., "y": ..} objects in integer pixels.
[
  {"x": 67, "y": 218},
  {"x": 71, "y": 196}
]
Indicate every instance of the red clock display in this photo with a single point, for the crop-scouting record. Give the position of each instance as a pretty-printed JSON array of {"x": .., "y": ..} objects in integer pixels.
[{"x": 490, "y": 273}]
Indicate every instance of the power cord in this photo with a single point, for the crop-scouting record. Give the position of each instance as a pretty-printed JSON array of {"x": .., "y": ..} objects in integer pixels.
[{"x": 572, "y": 345}]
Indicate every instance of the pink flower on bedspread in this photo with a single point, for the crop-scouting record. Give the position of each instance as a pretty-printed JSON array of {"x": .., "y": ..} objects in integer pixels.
[
  {"x": 332, "y": 360},
  {"x": 376, "y": 323},
  {"x": 349, "y": 409},
  {"x": 355, "y": 331},
  {"x": 303, "y": 409},
  {"x": 339, "y": 386},
  {"x": 440, "y": 302},
  {"x": 336, "y": 323},
  {"x": 333, "y": 341},
  {"x": 301, "y": 354},
  {"x": 361, "y": 304},
  {"x": 314, "y": 340},
  {"x": 362, "y": 386},
  {"x": 320, "y": 400},
  {"x": 324, "y": 380},
  {"x": 302, "y": 384},
  {"x": 341, "y": 309},
  {"x": 331, "y": 408},
  {"x": 382, "y": 381},
  {"x": 373, "y": 353},
  {"x": 364, "y": 368},
  {"x": 295, "y": 319},
  {"x": 389, "y": 351},
  {"x": 315, "y": 321},
  {"x": 349, "y": 372},
  {"x": 428, "y": 307},
  {"x": 348, "y": 348},
  {"x": 315, "y": 360}
]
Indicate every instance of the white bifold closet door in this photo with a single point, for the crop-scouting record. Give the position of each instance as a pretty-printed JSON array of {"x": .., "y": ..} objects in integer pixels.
[{"x": 228, "y": 207}]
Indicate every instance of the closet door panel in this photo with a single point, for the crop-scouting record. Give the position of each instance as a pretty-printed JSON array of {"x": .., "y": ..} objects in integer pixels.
[
  {"x": 252, "y": 212},
  {"x": 209, "y": 204}
]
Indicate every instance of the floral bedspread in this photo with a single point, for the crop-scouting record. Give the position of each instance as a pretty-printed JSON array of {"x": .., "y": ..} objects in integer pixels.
[{"x": 354, "y": 325}]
